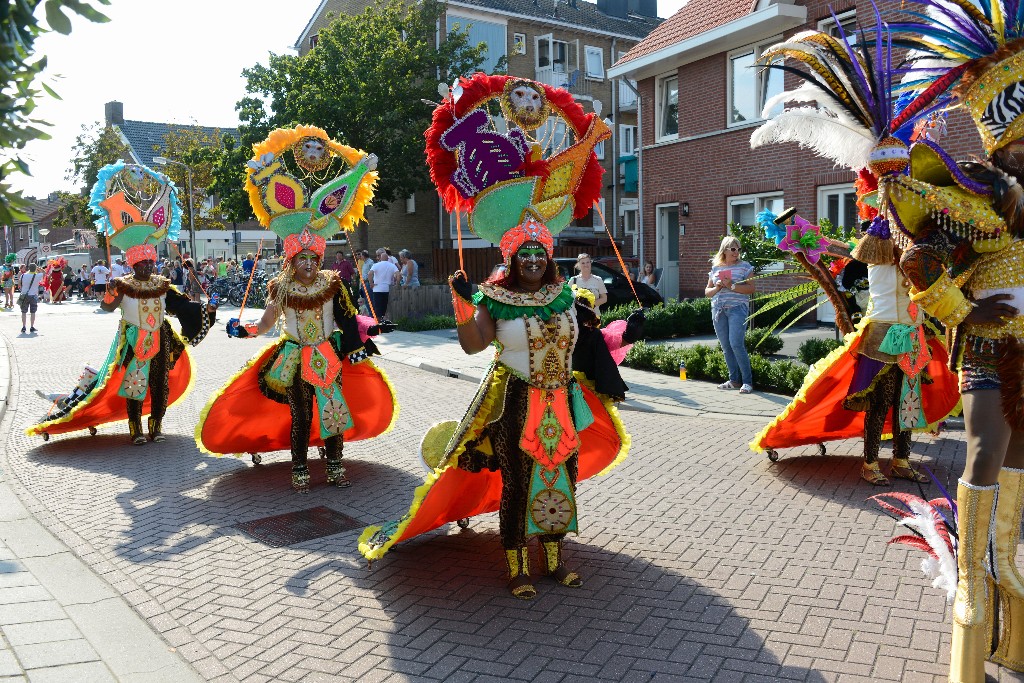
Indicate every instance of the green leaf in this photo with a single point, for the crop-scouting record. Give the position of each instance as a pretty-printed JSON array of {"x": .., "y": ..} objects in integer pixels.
[{"x": 56, "y": 18}]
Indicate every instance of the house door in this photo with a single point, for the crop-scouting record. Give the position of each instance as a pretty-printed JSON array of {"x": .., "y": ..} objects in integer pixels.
[{"x": 668, "y": 250}]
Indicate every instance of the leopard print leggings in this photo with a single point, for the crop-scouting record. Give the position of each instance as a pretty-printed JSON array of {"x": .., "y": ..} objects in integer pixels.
[
  {"x": 885, "y": 396},
  {"x": 158, "y": 388},
  {"x": 300, "y": 402},
  {"x": 516, "y": 466}
]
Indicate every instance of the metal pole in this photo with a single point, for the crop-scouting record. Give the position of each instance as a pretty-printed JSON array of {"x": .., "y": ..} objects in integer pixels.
[{"x": 191, "y": 209}]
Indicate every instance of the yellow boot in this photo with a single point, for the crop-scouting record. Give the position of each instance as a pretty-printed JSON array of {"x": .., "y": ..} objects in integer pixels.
[
  {"x": 519, "y": 584},
  {"x": 1006, "y": 533},
  {"x": 972, "y": 608}
]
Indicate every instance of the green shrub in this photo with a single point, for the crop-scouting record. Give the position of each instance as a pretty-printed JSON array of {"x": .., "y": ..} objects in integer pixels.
[
  {"x": 707, "y": 363},
  {"x": 671, "y": 319},
  {"x": 427, "y": 322},
  {"x": 813, "y": 350},
  {"x": 760, "y": 342}
]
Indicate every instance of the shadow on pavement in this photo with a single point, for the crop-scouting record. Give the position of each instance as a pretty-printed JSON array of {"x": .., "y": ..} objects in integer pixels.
[{"x": 447, "y": 600}]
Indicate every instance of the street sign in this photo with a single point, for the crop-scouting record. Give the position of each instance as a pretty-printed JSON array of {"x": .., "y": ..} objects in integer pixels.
[{"x": 44, "y": 249}]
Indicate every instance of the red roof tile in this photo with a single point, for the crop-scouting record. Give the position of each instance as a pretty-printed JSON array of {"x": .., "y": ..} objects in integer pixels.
[{"x": 693, "y": 18}]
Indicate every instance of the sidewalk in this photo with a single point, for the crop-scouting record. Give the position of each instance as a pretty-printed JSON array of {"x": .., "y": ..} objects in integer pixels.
[
  {"x": 59, "y": 621},
  {"x": 439, "y": 352}
]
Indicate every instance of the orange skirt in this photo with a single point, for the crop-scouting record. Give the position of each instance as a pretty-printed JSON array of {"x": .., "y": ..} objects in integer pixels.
[
  {"x": 240, "y": 419},
  {"x": 103, "y": 405},
  {"x": 450, "y": 493},
  {"x": 817, "y": 415}
]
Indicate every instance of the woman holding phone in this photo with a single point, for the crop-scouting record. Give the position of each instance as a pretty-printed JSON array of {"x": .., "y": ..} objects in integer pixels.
[{"x": 729, "y": 290}]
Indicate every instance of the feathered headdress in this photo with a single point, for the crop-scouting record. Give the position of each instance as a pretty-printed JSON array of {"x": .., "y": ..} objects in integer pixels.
[
  {"x": 531, "y": 170},
  {"x": 282, "y": 202},
  {"x": 135, "y": 208}
]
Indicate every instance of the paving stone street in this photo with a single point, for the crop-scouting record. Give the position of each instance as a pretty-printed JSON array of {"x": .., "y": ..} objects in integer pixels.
[{"x": 701, "y": 560}]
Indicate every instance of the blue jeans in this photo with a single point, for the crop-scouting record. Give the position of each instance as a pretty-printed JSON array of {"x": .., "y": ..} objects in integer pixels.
[{"x": 731, "y": 326}]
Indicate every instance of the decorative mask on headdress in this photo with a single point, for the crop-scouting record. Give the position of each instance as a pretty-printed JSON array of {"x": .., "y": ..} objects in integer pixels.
[
  {"x": 280, "y": 199},
  {"x": 136, "y": 208},
  {"x": 524, "y": 184}
]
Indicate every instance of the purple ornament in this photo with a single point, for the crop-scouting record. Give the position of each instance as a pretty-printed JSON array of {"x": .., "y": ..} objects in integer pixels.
[{"x": 485, "y": 156}]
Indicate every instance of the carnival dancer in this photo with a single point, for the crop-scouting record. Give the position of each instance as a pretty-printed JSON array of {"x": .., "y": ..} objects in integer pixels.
[
  {"x": 889, "y": 377},
  {"x": 55, "y": 279},
  {"x": 7, "y": 279},
  {"x": 316, "y": 385},
  {"x": 148, "y": 367},
  {"x": 534, "y": 428}
]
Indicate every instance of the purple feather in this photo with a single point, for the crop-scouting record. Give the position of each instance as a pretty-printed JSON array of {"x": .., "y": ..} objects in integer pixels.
[{"x": 945, "y": 493}]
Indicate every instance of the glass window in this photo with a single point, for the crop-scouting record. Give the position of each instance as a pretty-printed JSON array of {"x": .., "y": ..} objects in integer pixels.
[
  {"x": 744, "y": 209},
  {"x": 848, "y": 23},
  {"x": 627, "y": 139},
  {"x": 595, "y": 62},
  {"x": 750, "y": 86},
  {"x": 668, "y": 107},
  {"x": 838, "y": 205},
  {"x": 552, "y": 54},
  {"x": 489, "y": 33}
]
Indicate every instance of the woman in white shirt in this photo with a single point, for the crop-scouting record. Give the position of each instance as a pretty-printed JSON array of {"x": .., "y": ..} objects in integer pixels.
[{"x": 587, "y": 280}]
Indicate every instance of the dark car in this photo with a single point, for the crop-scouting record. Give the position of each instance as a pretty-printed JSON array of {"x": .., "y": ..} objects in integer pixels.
[{"x": 617, "y": 284}]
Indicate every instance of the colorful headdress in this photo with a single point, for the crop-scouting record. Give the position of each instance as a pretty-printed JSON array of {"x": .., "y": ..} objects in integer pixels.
[
  {"x": 281, "y": 201},
  {"x": 522, "y": 176},
  {"x": 135, "y": 207},
  {"x": 10, "y": 258}
]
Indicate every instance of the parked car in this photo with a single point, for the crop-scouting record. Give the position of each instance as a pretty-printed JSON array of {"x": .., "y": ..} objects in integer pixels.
[{"x": 619, "y": 291}]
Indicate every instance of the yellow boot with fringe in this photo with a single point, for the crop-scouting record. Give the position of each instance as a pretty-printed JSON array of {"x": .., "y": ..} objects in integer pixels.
[
  {"x": 1010, "y": 586},
  {"x": 519, "y": 584},
  {"x": 973, "y": 605},
  {"x": 555, "y": 568}
]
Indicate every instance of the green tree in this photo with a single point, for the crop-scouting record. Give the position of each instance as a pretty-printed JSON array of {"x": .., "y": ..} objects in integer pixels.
[
  {"x": 228, "y": 186},
  {"x": 19, "y": 89},
  {"x": 200, "y": 151},
  {"x": 364, "y": 83},
  {"x": 95, "y": 147}
]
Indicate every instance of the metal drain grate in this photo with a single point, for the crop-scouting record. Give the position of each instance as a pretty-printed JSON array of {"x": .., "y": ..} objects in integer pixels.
[{"x": 298, "y": 527}]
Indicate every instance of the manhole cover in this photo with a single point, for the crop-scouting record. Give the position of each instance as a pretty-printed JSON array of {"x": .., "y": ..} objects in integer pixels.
[{"x": 299, "y": 526}]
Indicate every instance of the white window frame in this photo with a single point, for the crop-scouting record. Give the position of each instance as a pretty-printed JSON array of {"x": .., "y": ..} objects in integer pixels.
[
  {"x": 599, "y": 216},
  {"x": 588, "y": 52},
  {"x": 629, "y": 225},
  {"x": 551, "y": 43},
  {"x": 659, "y": 97},
  {"x": 759, "y": 201},
  {"x": 410, "y": 203},
  {"x": 826, "y": 191},
  {"x": 313, "y": 40},
  {"x": 599, "y": 150},
  {"x": 828, "y": 25},
  {"x": 761, "y": 82},
  {"x": 627, "y": 139}
]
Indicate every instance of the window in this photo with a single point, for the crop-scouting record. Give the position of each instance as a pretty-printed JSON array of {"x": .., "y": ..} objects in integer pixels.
[
  {"x": 594, "y": 62},
  {"x": 668, "y": 107},
  {"x": 743, "y": 209},
  {"x": 552, "y": 54},
  {"x": 629, "y": 221},
  {"x": 487, "y": 32},
  {"x": 627, "y": 95},
  {"x": 313, "y": 40},
  {"x": 627, "y": 139},
  {"x": 847, "y": 21},
  {"x": 749, "y": 86},
  {"x": 554, "y": 136},
  {"x": 838, "y": 204},
  {"x": 599, "y": 221},
  {"x": 410, "y": 204},
  {"x": 599, "y": 150}
]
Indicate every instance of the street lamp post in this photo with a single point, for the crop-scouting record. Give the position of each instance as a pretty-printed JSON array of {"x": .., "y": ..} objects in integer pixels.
[
  {"x": 163, "y": 161},
  {"x": 44, "y": 249}
]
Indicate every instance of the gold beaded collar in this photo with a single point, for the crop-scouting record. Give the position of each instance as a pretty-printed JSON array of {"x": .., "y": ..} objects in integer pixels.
[
  {"x": 302, "y": 298},
  {"x": 155, "y": 286}
]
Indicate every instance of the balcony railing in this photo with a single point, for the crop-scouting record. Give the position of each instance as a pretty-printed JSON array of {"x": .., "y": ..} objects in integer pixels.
[{"x": 574, "y": 81}]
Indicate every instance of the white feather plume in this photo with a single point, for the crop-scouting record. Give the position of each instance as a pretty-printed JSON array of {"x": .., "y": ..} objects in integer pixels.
[
  {"x": 831, "y": 135},
  {"x": 806, "y": 92},
  {"x": 942, "y": 571}
]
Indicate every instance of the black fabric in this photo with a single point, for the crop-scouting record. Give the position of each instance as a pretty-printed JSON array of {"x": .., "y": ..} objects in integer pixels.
[
  {"x": 885, "y": 397},
  {"x": 592, "y": 357},
  {"x": 346, "y": 322},
  {"x": 193, "y": 316}
]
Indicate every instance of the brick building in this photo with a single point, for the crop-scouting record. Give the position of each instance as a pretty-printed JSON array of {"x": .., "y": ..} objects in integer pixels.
[
  {"x": 700, "y": 101},
  {"x": 568, "y": 44}
]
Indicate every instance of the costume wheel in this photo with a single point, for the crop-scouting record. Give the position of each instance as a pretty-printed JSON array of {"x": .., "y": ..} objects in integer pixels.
[
  {"x": 773, "y": 455},
  {"x": 256, "y": 458},
  {"x": 92, "y": 431},
  {"x": 821, "y": 449},
  {"x": 463, "y": 523},
  {"x": 46, "y": 437}
]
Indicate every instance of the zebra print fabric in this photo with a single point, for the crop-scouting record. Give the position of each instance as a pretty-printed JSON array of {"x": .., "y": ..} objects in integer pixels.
[{"x": 1002, "y": 110}]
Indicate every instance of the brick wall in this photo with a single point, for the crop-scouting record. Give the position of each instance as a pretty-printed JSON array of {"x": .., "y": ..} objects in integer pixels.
[{"x": 705, "y": 171}]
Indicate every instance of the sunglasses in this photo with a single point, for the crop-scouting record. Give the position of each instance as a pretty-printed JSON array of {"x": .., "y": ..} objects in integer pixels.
[{"x": 732, "y": 248}]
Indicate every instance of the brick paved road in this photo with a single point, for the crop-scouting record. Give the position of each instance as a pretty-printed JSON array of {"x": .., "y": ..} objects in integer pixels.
[{"x": 702, "y": 561}]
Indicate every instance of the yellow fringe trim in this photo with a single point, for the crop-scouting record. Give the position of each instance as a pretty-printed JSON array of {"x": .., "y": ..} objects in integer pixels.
[
  {"x": 813, "y": 374},
  {"x": 281, "y": 139},
  {"x": 205, "y": 412},
  {"x": 492, "y": 382},
  {"x": 40, "y": 427}
]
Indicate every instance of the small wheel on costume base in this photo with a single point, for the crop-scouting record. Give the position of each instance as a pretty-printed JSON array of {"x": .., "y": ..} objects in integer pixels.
[
  {"x": 92, "y": 431},
  {"x": 463, "y": 523},
  {"x": 821, "y": 449},
  {"x": 256, "y": 458},
  {"x": 46, "y": 437},
  {"x": 773, "y": 455}
]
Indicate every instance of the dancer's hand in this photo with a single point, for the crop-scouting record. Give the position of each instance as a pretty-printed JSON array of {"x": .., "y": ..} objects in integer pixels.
[
  {"x": 235, "y": 329},
  {"x": 461, "y": 285},
  {"x": 383, "y": 327},
  {"x": 991, "y": 311},
  {"x": 634, "y": 327}
]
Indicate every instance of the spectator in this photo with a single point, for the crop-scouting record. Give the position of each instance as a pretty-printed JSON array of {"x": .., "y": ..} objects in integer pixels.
[
  {"x": 222, "y": 267},
  {"x": 730, "y": 292},
  {"x": 391, "y": 258},
  {"x": 99, "y": 275},
  {"x": 343, "y": 267},
  {"x": 248, "y": 263},
  {"x": 587, "y": 280},
  {"x": 28, "y": 301},
  {"x": 261, "y": 263},
  {"x": 8, "y": 280},
  {"x": 365, "y": 263},
  {"x": 191, "y": 279},
  {"x": 410, "y": 269},
  {"x": 382, "y": 276},
  {"x": 647, "y": 277}
]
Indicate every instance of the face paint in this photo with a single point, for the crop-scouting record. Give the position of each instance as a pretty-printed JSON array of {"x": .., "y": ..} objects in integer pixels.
[{"x": 532, "y": 254}]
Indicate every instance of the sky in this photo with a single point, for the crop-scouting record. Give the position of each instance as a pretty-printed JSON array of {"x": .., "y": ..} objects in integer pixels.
[{"x": 173, "y": 62}]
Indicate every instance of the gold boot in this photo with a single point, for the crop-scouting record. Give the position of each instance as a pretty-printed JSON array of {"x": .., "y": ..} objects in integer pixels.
[
  {"x": 155, "y": 432},
  {"x": 135, "y": 431},
  {"x": 555, "y": 568},
  {"x": 1010, "y": 587},
  {"x": 518, "y": 560},
  {"x": 972, "y": 608}
]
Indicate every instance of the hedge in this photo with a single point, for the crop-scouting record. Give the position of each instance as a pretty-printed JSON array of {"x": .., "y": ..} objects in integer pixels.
[
  {"x": 427, "y": 322},
  {"x": 707, "y": 363}
]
